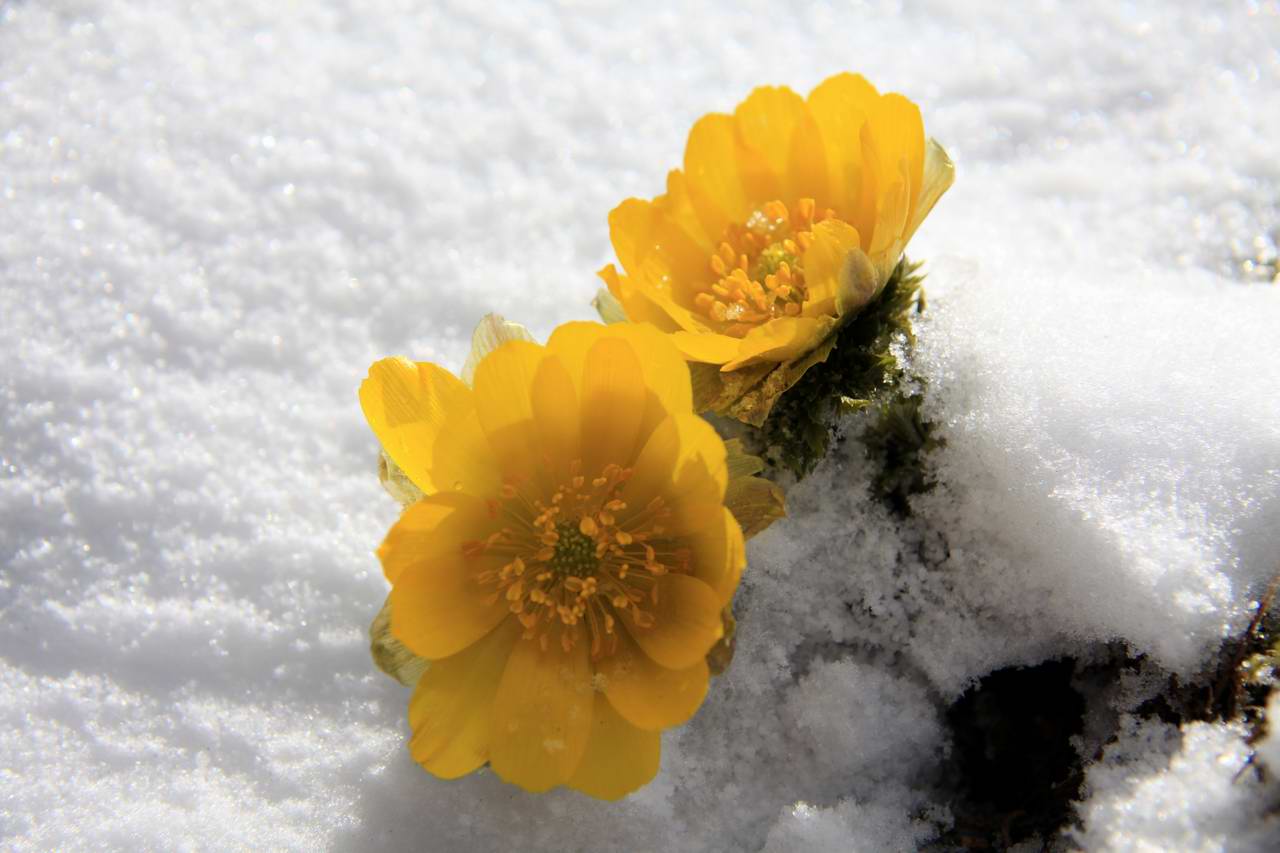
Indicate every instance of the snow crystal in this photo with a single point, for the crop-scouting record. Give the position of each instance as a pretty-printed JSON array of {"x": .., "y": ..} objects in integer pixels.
[{"x": 214, "y": 216}]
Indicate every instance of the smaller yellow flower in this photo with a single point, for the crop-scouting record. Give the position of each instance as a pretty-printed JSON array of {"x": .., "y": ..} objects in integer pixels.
[
  {"x": 788, "y": 217},
  {"x": 566, "y": 557}
]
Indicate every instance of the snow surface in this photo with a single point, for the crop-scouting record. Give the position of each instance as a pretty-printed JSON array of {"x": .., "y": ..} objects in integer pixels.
[{"x": 214, "y": 216}]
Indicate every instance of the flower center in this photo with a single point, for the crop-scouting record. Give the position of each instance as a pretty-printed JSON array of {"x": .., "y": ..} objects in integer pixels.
[
  {"x": 575, "y": 552},
  {"x": 759, "y": 267},
  {"x": 580, "y": 557}
]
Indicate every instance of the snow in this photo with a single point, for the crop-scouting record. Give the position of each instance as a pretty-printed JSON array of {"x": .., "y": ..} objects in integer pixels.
[
  {"x": 1159, "y": 788},
  {"x": 214, "y": 216}
]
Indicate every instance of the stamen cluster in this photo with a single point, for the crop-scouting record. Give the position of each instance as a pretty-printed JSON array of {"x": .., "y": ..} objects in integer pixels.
[
  {"x": 582, "y": 555},
  {"x": 759, "y": 266}
]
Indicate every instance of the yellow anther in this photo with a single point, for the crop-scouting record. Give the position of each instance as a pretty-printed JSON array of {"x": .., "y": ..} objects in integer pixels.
[
  {"x": 718, "y": 265},
  {"x": 588, "y": 526},
  {"x": 515, "y": 591},
  {"x": 616, "y": 505},
  {"x": 544, "y": 554},
  {"x": 744, "y": 263},
  {"x": 805, "y": 208},
  {"x": 792, "y": 309},
  {"x": 719, "y": 311},
  {"x": 605, "y": 518},
  {"x": 727, "y": 253},
  {"x": 620, "y": 601},
  {"x": 720, "y": 289},
  {"x": 578, "y": 481},
  {"x": 623, "y": 537},
  {"x": 804, "y": 239},
  {"x": 599, "y": 481},
  {"x": 549, "y": 538}
]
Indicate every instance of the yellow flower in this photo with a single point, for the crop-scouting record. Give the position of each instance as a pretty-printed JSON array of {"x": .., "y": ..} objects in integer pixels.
[
  {"x": 566, "y": 558},
  {"x": 788, "y": 217}
]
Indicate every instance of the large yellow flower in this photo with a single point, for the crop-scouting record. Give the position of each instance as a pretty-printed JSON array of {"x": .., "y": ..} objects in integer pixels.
[
  {"x": 566, "y": 568},
  {"x": 788, "y": 217}
]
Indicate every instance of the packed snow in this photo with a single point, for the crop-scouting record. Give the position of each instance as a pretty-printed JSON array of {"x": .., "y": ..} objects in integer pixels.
[{"x": 214, "y": 216}]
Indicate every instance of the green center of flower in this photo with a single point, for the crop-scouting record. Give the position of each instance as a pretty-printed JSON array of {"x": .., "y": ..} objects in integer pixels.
[{"x": 575, "y": 552}]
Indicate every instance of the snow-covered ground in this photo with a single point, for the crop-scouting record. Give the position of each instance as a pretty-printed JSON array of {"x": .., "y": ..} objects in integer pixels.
[{"x": 215, "y": 215}]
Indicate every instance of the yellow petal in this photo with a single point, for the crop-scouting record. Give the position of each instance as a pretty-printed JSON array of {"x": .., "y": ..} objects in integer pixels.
[
  {"x": 679, "y": 205},
  {"x": 644, "y": 304},
  {"x": 619, "y": 758},
  {"x": 824, "y": 260},
  {"x": 683, "y": 462},
  {"x": 437, "y": 607},
  {"x": 782, "y": 339},
  {"x": 503, "y": 400},
  {"x": 542, "y": 713},
  {"x": 766, "y": 121},
  {"x": 807, "y": 173},
  {"x": 896, "y": 126},
  {"x": 613, "y": 403},
  {"x": 406, "y": 405},
  {"x": 686, "y": 622},
  {"x": 462, "y": 459},
  {"x": 451, "y": 711},
  {"x": 714, "y": 179},
  {"x": 663, "y": 370},
  {"x": 839, "y": 106},
  {"x": 647, "y": 695},
  {"x": 707, "y": 346},
  {"x": 719, "y": 555},
  {"x": 556, "y": 416},
  {"x": 491, "y": 333},
  {"x": 654, "y": 250},
  {"x": 893, "y": 151},
  {"x": 436, "y": 526}
]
